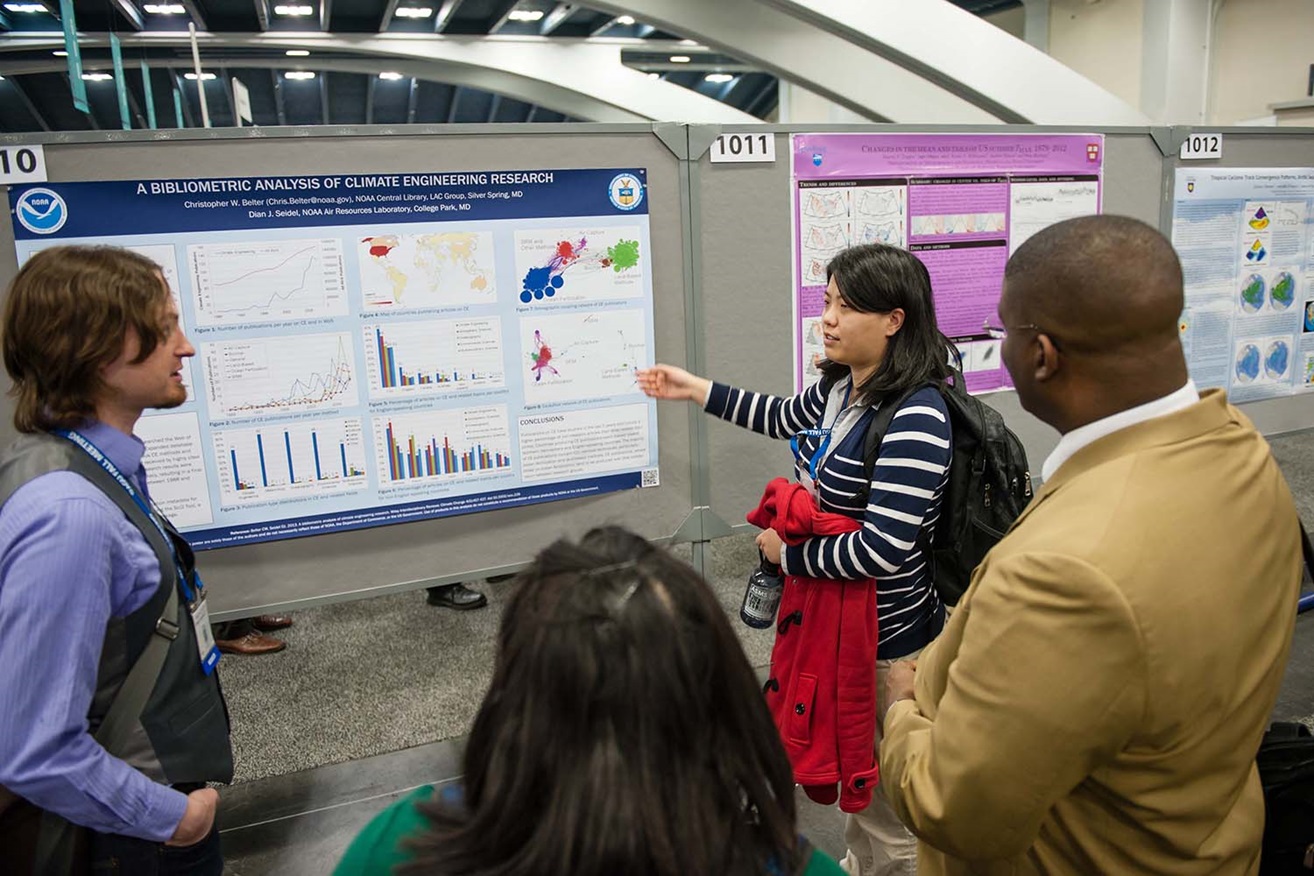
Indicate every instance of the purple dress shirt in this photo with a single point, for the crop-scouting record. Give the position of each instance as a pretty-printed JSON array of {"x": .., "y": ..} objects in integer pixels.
[{"x": 70, "y": 561}]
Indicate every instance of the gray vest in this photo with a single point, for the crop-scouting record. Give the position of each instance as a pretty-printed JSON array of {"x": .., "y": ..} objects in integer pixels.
[{"x": 181, "y": 735}]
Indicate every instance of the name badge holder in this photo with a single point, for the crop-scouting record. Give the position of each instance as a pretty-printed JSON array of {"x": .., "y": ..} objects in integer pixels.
[
  {"x": 808, "y": 478},
  {"x": 192, "y": 587}
]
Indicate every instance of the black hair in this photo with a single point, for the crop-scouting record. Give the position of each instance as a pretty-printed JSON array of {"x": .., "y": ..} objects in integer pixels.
[
  {"x": 623, "y": 732},
  {"x": 878, "y": 278}
]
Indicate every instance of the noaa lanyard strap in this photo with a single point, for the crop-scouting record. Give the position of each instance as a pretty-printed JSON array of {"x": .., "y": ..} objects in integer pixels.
[
  {"x": 823, "y": 433},
  {"x": 148, "y": 509}
]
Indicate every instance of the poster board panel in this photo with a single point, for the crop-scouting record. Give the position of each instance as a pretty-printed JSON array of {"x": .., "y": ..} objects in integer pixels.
[{"x": 304, "y": 570}]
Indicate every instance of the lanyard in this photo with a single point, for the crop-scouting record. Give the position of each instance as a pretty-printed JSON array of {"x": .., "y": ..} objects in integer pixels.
[
  {"x": 148, "y": 509},
  {"x": 824, "y": 433}
]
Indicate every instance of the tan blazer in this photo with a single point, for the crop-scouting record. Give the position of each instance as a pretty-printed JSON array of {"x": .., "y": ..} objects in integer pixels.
[{"x": 1096, "y": 701}]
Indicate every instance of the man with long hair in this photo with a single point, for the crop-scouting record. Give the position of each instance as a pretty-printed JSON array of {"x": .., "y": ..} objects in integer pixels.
[{"x": 111, "y": 716}]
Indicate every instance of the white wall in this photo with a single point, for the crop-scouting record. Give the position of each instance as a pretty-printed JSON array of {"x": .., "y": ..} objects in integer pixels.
[
  {"x": 1101, "y": 40},
  {"x": 1261, "y": 55}
]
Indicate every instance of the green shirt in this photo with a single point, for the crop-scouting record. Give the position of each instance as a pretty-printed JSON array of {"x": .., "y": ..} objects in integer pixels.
[{"x": 376, "y": 850}]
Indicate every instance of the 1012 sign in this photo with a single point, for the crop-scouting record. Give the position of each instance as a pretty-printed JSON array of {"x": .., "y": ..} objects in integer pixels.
[{"x": 743, "y": 147}]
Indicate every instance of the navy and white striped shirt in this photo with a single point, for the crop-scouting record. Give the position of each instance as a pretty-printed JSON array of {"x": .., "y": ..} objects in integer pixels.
[{"x": 907, "y": 483}]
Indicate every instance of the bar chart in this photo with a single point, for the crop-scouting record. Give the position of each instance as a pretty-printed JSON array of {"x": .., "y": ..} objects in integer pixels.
[
  {"x": 313, "y": 456},
  {"x": 442, "y": 444},
  {"x": 433, "y": 357}
]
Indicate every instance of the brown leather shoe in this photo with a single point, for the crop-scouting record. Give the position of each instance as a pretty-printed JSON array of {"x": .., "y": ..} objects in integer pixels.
[
  {"x": 267, "y": 623},
  {"x": 251, "y": 643}
]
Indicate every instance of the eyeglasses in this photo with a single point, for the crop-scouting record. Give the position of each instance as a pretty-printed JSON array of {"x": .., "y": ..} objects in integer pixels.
[{"x": 999, "y": 332}]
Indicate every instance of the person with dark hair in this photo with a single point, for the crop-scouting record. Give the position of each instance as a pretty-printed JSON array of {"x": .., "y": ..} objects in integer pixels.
[
  {"x": 623, "y": 732},
  {"x": 881, "y": 339},
  {"x": 112, "y": 720},
  {"x": 1096, "y": 701}
]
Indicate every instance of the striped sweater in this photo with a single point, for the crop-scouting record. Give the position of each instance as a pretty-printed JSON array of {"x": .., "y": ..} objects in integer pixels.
[{"x": 906, "y": 486}]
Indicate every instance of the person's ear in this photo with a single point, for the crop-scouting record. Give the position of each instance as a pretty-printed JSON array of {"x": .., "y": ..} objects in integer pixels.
[
  {"x": 893, "y": 322},
  {"x": 1045, "y": 358}
]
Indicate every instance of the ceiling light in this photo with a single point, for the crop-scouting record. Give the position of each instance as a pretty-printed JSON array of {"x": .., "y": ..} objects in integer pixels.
[
  {"x": 718, "y": 77},
  {"x": 525, "y": 14},
  {"x": 679, "y": 59},
  {"x": 654, "y": 76},
  {"x": 414, "y": 12},
  {"x": 60, "y": 54},
  {"x": 205, "y": 77},
  {"x": 625, "y": 20},
  {"x": 97, "y": 77},
  {"x": 688, "y": 42},
  {"x": 391, "y": 75},
  {"x": 299, "y": 74},
  {"x": 164, "y": 9},
  {"x": 297, "y": 53},
  {"x": 293, "y": 10},
  {"x": 25, "y": 7}
]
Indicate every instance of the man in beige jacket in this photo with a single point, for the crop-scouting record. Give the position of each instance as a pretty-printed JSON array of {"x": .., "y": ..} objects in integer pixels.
[{"x": 1096, "y": 701}]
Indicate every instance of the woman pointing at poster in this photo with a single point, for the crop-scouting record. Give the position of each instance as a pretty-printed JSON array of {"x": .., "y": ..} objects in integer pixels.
[{"x": 881, "y": 339}]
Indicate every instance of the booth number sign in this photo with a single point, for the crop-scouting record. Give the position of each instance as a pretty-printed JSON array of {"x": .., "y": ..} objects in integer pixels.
[
  {"x": 22, "y": 164},
  {"x": 744, "y": 147},
  {"x": 1200, "y": 146}
]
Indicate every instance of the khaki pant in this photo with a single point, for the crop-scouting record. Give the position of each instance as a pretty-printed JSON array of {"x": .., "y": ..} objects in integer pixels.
[{"x": 878, "y": 843}]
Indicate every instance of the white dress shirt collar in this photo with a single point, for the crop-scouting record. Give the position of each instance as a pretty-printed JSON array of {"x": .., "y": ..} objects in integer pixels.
[{"x": 1078, "y": 438}]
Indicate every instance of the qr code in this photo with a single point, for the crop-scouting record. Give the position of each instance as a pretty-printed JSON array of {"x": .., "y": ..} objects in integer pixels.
[{"x": 648, "y": 478}]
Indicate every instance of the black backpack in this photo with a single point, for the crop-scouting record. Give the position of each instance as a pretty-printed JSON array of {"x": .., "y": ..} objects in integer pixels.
[
  {"x": 989, "y": 483},
  {"x": 1286, "y": 770}
]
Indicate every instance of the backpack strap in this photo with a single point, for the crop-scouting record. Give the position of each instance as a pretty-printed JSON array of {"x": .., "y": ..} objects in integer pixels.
[{"x": 876, "y": 431}]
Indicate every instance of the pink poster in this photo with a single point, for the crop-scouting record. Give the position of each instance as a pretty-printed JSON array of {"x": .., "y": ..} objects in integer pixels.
[{"x": 962, "y": 202}]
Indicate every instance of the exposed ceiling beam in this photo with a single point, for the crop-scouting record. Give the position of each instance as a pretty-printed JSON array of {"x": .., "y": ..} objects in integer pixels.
[
  {"x": 388, "y": 12},
  {"x": 129, "y": 10},
  {"x": 502, "y": 19},
  {"x": 279, "y": 106},
  {"x": 194, "y": 12},
  {"x": 410, "y": 101},
  {"x": 371, "y": 83},
  {"x": 582, "y": 79},
  {"x": 5, "y": 23},
  {"x": 325, "y": 14},
  {"x": 533, "y": 111},
  {"x": 553, "y": 19},
  {"x": 27, "y": 102},
  {"x": 762, "y": 99},
  {"x": 601, "y": 28},
  {"x": 323, "y": 98},
  {"x": 494, "y": 106},
  {"x": 444, "y": 15},
  {"x": 456, "y": 101},
  {"x": 262, "y": 13}
]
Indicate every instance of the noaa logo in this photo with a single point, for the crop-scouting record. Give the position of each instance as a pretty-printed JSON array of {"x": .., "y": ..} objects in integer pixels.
[
  {"x": 41, "y": 211},
  {"x": 625, "y": 191},
  {"x": 816, "y": 159}
]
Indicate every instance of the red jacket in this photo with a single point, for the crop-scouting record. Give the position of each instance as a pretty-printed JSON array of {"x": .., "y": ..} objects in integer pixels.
[{"x": 822, "y": 690}]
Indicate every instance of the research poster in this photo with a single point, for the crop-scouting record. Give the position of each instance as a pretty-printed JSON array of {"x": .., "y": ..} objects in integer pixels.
[
  {"x": 382, "y": 348},
  {"x": 1244, "y": 237},
  {"x": 961, "y": 202}
]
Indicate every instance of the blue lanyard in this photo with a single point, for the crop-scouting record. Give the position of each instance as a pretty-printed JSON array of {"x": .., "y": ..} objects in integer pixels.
[
  {"x": 148, "y": 509},
  {"x": 823, "y": 433}
]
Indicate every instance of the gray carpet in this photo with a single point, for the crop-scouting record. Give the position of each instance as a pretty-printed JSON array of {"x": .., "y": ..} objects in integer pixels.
[{"x": 378, "y": 675}]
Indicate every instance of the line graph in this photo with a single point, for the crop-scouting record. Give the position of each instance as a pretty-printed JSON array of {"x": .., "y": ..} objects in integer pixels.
[
  {"x": 266, "y": 282},
  {"x": 279, "y": 375}
]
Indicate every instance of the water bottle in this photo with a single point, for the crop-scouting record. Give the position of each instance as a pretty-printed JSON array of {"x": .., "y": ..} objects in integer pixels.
[{"x": 762, "y": 596}]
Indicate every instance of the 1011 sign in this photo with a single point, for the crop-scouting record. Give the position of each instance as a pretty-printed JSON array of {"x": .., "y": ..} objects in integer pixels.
[
  {"x": 743, "y": 147},
  {"x": 22, "y": 164}
]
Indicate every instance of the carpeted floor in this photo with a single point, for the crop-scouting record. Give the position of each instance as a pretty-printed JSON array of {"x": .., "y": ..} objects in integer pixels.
[{"x": 378, "y": 675}]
